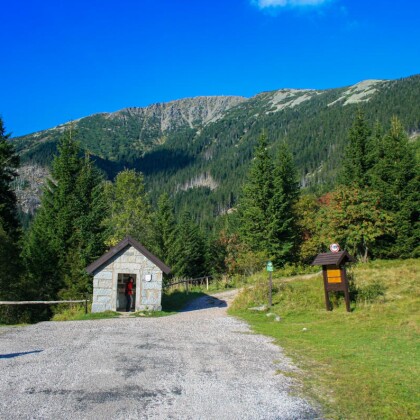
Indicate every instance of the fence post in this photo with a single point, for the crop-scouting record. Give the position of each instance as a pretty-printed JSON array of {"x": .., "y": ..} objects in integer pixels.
[
  {"x": 207, "y": 283},
  {"x": 86, "y": 304},
  {"x": 186, "y": 286}
]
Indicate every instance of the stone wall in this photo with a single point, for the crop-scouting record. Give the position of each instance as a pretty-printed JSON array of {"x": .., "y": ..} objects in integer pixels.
[{"x": 129, "y": 261}]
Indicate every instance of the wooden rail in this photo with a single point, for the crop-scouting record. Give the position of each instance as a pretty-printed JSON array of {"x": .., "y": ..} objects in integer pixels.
[
  {"x": 200, "y": 280},
  {"x": 45, "y": 302}
]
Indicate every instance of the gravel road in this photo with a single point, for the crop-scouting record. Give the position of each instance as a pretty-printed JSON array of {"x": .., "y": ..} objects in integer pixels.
[{"x": 198, "y": 364}]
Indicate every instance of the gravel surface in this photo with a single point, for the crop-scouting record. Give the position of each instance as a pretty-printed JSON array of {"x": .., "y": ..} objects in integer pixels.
[{"x": 198, "y": 364}]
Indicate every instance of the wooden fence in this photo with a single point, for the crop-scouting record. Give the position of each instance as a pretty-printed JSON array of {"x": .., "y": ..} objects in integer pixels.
[
  {"x": 46, "y": 302},
  {"x": 199, "y": 281}
]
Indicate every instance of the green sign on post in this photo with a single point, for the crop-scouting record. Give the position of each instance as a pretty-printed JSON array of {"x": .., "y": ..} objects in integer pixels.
[{"x": 270, "y": 269}]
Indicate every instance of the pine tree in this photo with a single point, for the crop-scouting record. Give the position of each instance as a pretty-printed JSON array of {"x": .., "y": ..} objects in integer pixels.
[
  {"x": 43, "y": 279},
  {"x": 67, "y": 232},
  {"x": 164, "y": 227},
  {"x": 256, "y": 197},
  {"x": 356, "y": 162},
  {"x": 283, "y": 232},
  {"x": 87, "y": 241},
  {"x": 396, "y": 176},
  {"x": 10, "y": 280},
  {"x": 130, "y": 212},
  {"x": 189, "y": 249},
  {"x": 374, "y": 154},
  {"x": 10, "y": 264},
  {"x": 9, "y": 162}
]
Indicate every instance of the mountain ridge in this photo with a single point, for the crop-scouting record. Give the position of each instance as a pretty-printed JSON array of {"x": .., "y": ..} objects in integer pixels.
[{"x": 202, "y": 146}]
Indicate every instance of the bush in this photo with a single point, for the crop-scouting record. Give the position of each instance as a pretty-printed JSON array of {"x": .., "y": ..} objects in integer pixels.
[
  {"x": 368, "y": 292},
  {"x": 371, "y": 292},
  {"x": 68, "y": 313}
]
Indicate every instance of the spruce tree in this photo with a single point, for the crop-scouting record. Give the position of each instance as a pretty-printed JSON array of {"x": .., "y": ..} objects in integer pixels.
[
  {"x": 396, "y": 176},
  {"x": 357, "y": 162},
  {"x": 283, "y": 232},
  {"x": 67, "y": 232},
  {"x": 190, "y": 249},
  {"x": 10, "y": 265},
  {"x": 87, "y": 241},
  {"x": 130, "y": 212},
  {"x": 374, "y": 154},
  {"x": 255, "y": 201},
  {"x": 9, "y": 162},
  {"x": 164, "y": 227}
]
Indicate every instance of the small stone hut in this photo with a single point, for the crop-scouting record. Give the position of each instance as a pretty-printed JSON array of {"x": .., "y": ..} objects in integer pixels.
[{"x": 110, "y": 272}]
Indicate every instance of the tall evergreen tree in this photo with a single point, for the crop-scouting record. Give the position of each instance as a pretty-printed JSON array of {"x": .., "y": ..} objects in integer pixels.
[
  {"x": 10, "y": 271},
  {"x": 130, "y": 212},
  {"x": 356, "y": 162},
  {"x": 10, "y": 266},
  {"x": 374, "y": 153},
  {"x": 396, "y": 175},
  {"x": 256, "y": 197},
  {"x": 9, "y": 162},
  {"x": 164, "y": 227},
  {"x": 283, "y": 232},
  {"x": 189, "y": 249},
  {"x": 88, "y": 238},
  {"x": 67, "y": 232}
]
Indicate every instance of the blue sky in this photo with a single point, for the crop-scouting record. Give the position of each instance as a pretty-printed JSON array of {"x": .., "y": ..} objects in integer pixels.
[{"x": 62, "y": 59}]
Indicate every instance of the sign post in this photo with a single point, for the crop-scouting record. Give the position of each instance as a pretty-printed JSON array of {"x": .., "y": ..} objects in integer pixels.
[
  {"x": 270, "y": 270},
  {"x": 334, "y": 273}
]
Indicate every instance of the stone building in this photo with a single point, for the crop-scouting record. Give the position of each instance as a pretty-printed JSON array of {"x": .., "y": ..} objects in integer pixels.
[{"x": 111, "y": 272}]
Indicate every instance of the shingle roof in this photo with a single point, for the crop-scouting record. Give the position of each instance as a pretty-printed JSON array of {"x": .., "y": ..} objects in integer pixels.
[
  {"x": 126, "y": 242},
  {"x": 333, "y": 258}
]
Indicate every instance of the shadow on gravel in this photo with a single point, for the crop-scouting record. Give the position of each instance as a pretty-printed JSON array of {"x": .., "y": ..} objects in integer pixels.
[
  {"x": 24, "y": 353},
  {"x": 204, "y": 302}
]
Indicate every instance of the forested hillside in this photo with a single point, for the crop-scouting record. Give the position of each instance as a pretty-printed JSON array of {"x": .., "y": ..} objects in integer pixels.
[{"x": 198, "y": 150}]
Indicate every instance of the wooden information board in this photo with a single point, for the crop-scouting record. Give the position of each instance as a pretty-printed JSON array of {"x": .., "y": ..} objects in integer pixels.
[{"x": 334, "y": 273}]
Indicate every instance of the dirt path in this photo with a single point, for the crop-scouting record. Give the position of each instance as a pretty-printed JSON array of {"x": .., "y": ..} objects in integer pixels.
[{"x": 198, "y": 364}]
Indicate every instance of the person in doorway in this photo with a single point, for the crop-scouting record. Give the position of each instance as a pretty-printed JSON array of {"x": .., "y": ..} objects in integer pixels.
[{"x": 129, "y": 293}]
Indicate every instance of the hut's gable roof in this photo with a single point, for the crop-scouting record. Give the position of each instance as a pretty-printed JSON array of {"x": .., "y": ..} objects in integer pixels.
[
  {"x": 333, "y": 258},
  {"x": 125, "y": 243}
]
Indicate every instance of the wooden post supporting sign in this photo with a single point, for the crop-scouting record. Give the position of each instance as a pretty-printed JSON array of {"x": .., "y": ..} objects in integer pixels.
[{"x": 334, "y": 273}]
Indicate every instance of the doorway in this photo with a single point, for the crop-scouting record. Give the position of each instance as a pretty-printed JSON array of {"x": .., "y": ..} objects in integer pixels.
[{"x": 121, "y": 298}]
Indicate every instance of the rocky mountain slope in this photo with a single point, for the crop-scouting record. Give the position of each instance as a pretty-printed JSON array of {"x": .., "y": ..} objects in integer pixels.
[
  {"x": 141, "y": 128},
  {"x": 199, "y": 149}
]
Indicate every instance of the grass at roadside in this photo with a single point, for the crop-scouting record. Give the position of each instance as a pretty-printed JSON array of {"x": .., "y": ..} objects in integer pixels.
[
  {"x": 78, "y": 314},
  {"x": 359, "y": 365}
]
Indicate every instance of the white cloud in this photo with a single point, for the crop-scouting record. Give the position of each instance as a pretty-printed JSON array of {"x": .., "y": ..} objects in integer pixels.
[{"x": 264, "y": 4}]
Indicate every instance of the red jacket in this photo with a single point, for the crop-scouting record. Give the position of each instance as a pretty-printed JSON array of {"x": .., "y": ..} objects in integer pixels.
[{"x": 129, "y": 288}]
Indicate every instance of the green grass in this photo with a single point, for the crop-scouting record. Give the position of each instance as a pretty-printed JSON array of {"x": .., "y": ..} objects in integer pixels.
[
  {"x": 78, "y": 314},
  {"x": 359, "y": 365}
]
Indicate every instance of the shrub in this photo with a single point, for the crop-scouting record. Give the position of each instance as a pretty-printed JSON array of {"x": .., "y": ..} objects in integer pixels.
[
  {"x": 68, "y": 313},
  {"x": 371, "y": 292}
]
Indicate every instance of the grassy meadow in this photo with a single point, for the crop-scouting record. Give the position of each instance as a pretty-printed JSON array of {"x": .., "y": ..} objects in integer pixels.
[{"x": 359, "y": 365}]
